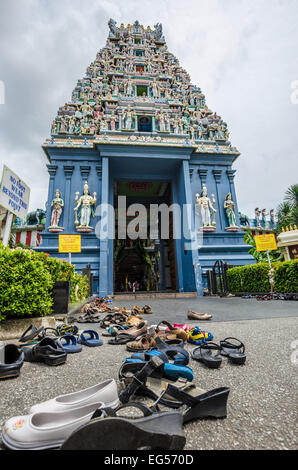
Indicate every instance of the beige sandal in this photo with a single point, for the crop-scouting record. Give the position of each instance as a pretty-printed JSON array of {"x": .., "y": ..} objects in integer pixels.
[{"x": 141, "y": 344}]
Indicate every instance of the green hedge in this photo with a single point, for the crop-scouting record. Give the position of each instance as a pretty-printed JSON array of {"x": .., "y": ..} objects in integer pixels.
[
  {"x": 254, "y": 278},
  {"x": 27, "y": 279}
]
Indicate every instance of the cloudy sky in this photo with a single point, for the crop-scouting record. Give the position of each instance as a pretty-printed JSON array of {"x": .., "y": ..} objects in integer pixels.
[{"x": 242, "y": 53}]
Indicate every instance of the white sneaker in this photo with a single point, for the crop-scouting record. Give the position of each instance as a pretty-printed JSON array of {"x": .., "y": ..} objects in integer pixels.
[
  {"x": 39, "y": 431},
  {"x": 105, "y": 392}
]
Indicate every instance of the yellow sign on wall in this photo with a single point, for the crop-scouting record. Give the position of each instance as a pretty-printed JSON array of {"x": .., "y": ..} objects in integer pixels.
[
  {"x": 265, "y": 242},
  {"x": 70, "y": 244}
]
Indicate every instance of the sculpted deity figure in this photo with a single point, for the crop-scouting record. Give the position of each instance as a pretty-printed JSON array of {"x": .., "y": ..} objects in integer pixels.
[
  {"x": 155, "y": 89},
  {"x": 84, "y": 208},
  {"x": 57, "y": 205},
  {"x": 204, "y": 204},
  {"x": 128, "y": 87},
  {"x": 113, "y": 119},
  {"x": 229, "y": 207},
  {"x": 257, "y": 217},
  {"x": 161, "y": 121},
  {"x": 128, "y": 116}
]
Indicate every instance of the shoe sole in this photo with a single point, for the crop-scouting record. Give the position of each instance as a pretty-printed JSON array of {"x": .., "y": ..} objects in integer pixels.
[
  {"x": 121, "y": 434},
  {"x": 9, "y": 375}
]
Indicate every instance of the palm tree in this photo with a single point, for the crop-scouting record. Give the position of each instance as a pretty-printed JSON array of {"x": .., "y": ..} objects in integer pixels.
[
  {"x": 287, "y": 212},
  {"x": 291, "y": 196}
]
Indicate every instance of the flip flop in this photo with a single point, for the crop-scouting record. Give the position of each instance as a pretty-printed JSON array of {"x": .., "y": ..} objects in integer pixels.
[
  {"x": 203, "y": 353},
  {"x": 234, "y": 352},
  {"x": 31, "y": 334},
  {"x": 90, "y": 338},
  {"x": 69, "y": 344}
]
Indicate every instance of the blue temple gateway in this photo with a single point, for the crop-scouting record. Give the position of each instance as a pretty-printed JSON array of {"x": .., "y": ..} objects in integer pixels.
[{"x": 137, "y": 131}]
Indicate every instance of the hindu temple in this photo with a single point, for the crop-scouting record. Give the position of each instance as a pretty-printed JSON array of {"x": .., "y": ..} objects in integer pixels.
[{"x": 136, "y": 127}]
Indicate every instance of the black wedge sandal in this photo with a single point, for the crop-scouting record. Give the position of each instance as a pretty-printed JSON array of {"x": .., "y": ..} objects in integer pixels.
[
  {"x": 109, "y": 431},
  {"x": 234, "y": 352},
  {"x": 211, "y": 404},
  {"x": 203, "y": 353}
]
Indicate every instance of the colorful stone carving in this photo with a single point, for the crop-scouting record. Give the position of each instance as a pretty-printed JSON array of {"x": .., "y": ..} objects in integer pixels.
[
  {"x": 57, "y": 205},
  {"x": 204, "y": 207},
  {"x": 135, "y": 75},
  {"x": 84, "y": 210},
  {"x": 229, "y": 207}
]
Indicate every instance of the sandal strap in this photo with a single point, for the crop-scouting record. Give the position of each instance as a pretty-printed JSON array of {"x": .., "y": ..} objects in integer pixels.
[
  {"x": 180, "y": 395},
  {"x": 139, "y": 378},
  {"x": 227, "y": 344}
]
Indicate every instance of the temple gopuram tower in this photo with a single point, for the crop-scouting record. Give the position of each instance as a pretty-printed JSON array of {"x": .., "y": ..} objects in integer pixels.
[{"x": 137, "y": 127}]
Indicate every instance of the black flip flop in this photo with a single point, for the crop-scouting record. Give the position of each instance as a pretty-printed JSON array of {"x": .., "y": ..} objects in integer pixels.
[
  {"x": 234, "y": 352},
  {"x": 31, "y": 333},
  {"x": 203, "y": 354},
  {"x": 108, "y": 431}
]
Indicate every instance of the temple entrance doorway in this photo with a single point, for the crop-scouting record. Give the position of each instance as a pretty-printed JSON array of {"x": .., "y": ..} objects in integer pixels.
[{"x": 143, "y": 265}]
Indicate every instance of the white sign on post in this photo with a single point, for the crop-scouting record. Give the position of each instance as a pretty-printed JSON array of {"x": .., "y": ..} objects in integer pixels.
[{"x": 14, "y": 194}]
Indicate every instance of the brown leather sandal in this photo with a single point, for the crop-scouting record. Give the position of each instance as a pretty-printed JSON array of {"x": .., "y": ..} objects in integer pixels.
[
  {"x": 142, "y": 343},
  {"x": 173, "y": 333}
]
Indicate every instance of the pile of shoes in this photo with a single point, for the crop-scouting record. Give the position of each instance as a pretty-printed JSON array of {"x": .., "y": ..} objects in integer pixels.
[
  {"x": 96, "y": 418},
  {"x": 44, "y": 345}
]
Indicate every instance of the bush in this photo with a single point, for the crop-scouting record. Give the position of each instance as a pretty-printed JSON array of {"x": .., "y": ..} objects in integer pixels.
[
  {"x": 27, "y": 279},
  {"x": 25, "y": 284},
  {"x": 286, "y": 277},
  {"x": 254, "y": 278}
]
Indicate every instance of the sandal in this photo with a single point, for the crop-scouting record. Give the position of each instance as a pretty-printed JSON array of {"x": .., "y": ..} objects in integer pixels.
[
  {"x": 174, "y": 352},
  {"x": 211, "y": 404},
  {"x": 67, "y": 329},
  {"x": 151, "y": 383},
  {"x": 156, "y": 430},
  {"x": 69, "y": 344},
  {"x": 204, "y": 354},
  {"x": 142, "y": 343},
  {"x": 234, "y": 352},
  {"x": 170, "y": 371},
  {"x": 90, "y": 338},
  {"x": 31, "y": 334},
  {"x": 197, "y": 336},
  {"x": 172, "y": 332},
  {"x": 147, "y": 310}
]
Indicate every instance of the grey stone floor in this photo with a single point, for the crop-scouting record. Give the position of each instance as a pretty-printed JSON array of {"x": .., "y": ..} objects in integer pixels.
[{"x": 262, "y": 406}]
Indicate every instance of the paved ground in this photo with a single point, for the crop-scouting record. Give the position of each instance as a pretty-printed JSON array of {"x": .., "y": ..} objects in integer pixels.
[{"x": 262, "y": 407}]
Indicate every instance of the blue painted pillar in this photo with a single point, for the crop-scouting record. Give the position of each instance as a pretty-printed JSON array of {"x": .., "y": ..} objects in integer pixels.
[
  {"x": 191, "y": 223},
  {"x": 104, "y": 242},
  {"x": 231, "y": 175},
  {"x": 217, "y": 176},
  {"x": 52, "y": 169},
  {"x": 68, "y": 171}
]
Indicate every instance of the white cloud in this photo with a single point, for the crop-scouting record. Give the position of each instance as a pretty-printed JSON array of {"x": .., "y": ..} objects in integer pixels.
[{"x": 242, "y": 54}]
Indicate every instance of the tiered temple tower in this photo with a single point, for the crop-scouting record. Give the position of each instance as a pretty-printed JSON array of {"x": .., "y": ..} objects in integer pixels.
[{"x": 137, "y": 126}]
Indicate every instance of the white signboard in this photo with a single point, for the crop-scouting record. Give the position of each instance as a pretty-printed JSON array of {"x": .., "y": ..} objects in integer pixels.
[{"x": 14, "y": 194}]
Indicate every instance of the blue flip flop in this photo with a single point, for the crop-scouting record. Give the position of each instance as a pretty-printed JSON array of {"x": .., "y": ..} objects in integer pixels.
[
  {"x": 171, "y": 371},
  {"x": 92, "y": 340},
  {"x": 69, "y": 344}
]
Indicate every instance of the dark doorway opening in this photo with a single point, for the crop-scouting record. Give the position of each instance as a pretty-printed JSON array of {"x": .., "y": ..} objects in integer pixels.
[{"x": 144, "y": 265}]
